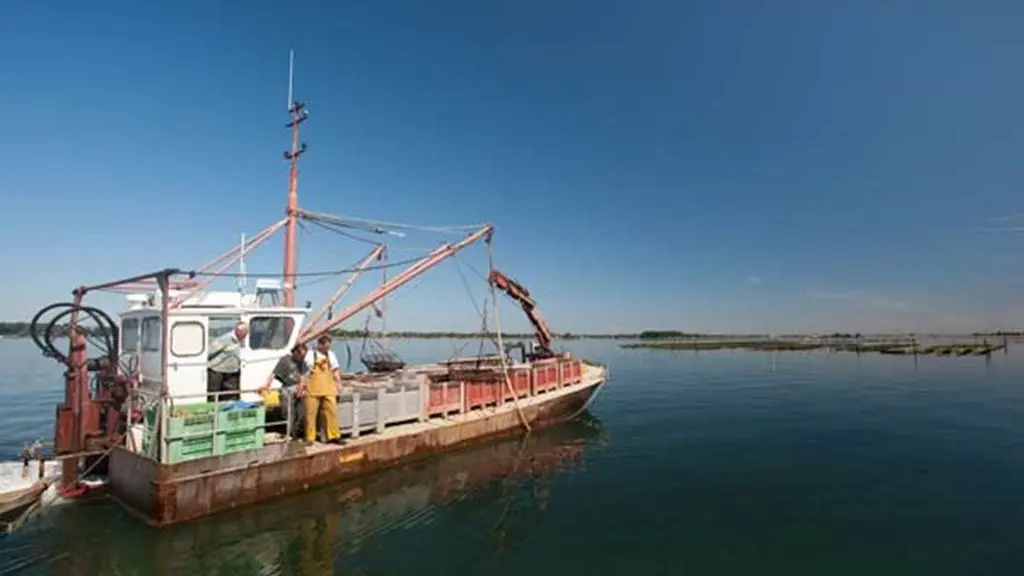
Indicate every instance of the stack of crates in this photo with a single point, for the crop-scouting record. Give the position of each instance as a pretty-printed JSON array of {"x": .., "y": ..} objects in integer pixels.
[
  {"x": 190, "y": 431},
  {"x": 240, "y": 429}
]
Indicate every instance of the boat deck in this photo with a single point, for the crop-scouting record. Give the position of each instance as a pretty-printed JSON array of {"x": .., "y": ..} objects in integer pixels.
[{"x": 163, "y": 494}]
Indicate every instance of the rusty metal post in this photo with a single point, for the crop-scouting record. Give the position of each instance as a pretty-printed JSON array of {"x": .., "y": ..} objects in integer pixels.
[
  {"x": 444, "y": 400},
  {"x": 165, "y": 273},
  {"x": 356, "y": 397},
  {"x": 425, "y": 387},
  {"x": 76, "y": 385},
  {"x": 381, "y": 422},
  {"x": 163, "y": 281}
]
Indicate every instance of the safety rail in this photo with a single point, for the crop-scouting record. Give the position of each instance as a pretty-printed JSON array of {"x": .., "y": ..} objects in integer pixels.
[
  {"x": 188, "y": 430},
  {"x": 467, "y": 389}
]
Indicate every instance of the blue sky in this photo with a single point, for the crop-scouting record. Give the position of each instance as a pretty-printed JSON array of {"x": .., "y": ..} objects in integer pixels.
[{"x": 727, "y": 166}]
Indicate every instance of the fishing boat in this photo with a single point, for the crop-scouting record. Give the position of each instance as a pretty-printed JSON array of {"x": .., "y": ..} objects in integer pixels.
[
  {"x": 16, "y": 505},
  {"x": 138, "y": 407}
]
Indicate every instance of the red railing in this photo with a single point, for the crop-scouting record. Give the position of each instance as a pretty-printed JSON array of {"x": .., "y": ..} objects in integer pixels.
[
  {"x": 543, "y": 376},
  {"x": 442, "y": 398}
]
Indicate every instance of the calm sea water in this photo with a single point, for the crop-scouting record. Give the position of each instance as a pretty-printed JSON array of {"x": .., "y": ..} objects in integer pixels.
[{"x": 710, "y": 463}]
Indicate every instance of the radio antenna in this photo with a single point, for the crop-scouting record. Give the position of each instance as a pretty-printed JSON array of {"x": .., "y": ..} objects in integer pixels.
[{"x": 291, "y": 77}]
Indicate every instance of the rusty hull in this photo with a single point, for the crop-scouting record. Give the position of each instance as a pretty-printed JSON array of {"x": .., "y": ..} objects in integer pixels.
[{"x": 163, "y": 495}]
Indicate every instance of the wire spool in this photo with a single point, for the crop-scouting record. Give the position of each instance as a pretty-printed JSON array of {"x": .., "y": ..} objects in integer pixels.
[{"x": 102, "y": 333}]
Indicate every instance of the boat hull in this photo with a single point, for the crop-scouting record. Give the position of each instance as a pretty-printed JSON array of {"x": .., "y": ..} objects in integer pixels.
[
  {"x": 163, "y": 495},
  {"x": 15, "y": 505}
]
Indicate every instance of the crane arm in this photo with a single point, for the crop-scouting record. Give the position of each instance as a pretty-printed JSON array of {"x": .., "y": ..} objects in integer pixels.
[{"x": 520, "y": 294}]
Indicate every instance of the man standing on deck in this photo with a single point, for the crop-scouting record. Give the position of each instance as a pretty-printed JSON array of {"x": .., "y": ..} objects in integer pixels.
[
  {"x": 289, "y": 372},
  {"x": 290, "y": 368},
  {"x": 322, "y": 387},
  {"x": 224, "y": 364}
]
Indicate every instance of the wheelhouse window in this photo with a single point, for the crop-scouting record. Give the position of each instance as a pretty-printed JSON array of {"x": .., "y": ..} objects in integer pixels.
[
  {"x": 130, "y": 335},
  {"x": 221, "y": 325},
  {"x": 151, "y": 334},
  {"x": 270, "y": 332},
  {"x": 188, "y": 339}
]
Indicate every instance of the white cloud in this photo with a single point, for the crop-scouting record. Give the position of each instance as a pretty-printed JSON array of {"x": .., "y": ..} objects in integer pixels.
[
  {"x": 1005, "y": 218},
  {"x": 754, "y": 280},
  {"x": 860, "y": 297}
]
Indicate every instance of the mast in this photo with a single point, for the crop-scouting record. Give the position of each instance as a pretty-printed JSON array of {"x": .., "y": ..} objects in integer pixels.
[{"x": 297, "y": 114}]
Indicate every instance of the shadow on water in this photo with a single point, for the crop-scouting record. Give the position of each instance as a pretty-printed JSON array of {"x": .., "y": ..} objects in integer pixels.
[{"x": 322, "y": 531}]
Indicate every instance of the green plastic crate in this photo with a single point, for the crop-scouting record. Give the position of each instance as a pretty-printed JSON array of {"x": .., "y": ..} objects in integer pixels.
[
  {"x": 238, "y": 441},
  {"x": 183, "y": 449},
  {"x": 242, "y": 419},
  {"x": 186, "y": 449},
  {"x": 187, "y": 419}
]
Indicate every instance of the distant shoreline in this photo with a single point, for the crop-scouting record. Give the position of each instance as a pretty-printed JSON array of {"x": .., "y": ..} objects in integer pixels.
[{"x": 21, "y": 330}]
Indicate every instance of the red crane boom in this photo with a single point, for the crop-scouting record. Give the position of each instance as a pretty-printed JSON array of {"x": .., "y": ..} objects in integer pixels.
[{"x": 520, "y": 294}]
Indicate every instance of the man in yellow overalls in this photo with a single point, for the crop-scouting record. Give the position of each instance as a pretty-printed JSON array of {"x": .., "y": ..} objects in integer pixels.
[{"x": 321, "y": 389}]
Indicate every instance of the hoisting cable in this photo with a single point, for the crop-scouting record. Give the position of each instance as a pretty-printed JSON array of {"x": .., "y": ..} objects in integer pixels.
[
  {"x": 380, "y": 227},
  {"x": 501, "y": 343},
  {"x": 481, "y": 311},
  {"x": 484, "y": 330},
  {"x": 336, "y": 229},
  {"x": 472, "y": 269},
  {"x": 395, "y": 264}
]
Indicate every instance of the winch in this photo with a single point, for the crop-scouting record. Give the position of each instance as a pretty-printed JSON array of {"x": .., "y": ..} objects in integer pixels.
[{"x": 90, "y": 418}]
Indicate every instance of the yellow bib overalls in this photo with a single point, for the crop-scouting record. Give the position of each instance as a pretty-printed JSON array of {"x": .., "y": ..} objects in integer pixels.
[{"x": 321, "y": 396}]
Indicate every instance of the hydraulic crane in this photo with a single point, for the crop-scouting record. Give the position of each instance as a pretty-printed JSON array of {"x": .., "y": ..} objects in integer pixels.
[{"x": 520, "y": 294}]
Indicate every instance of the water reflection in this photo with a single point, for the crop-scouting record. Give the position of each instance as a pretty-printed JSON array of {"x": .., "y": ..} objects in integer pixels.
[{"x": 501, "y": 483}]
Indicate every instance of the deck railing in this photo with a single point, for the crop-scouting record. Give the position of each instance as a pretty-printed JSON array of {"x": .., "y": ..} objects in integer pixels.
[
  {"x": 184, "y": 431},
  {"x": 174, "y": 431}
]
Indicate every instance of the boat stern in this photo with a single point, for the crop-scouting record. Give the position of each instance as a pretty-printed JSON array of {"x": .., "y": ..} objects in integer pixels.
[{"x": 594, "y": 372}]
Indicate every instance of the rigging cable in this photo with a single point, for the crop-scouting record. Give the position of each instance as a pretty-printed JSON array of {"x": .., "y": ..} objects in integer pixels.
[
  {"x": 333, "y": 228},
  {"x": 501, "y": 345},
  {"x": 379, "y": 226},
  {"x": 481, "y": 312},
  {"x": 318, "y": 273},
  {"x": 354, "y": 264}
]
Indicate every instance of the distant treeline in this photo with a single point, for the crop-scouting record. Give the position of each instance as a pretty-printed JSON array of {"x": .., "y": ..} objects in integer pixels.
[
  {"x": 14, "y": 329},
  {"x": 21, "y": 330},
  {"x": 465, "y": 335},
  {"x": 679, "y": 335}
]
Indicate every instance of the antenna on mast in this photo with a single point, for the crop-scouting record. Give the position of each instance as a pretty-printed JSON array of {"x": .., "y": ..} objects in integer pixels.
[
  {"x": 291, "y": 77},
  {"x": 297, "y": 114}
]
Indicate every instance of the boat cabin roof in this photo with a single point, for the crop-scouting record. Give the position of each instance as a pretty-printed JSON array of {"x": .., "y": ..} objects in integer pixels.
[
  {"x": 209, "y": 304},
  {"x": 217, "y": 311}
]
